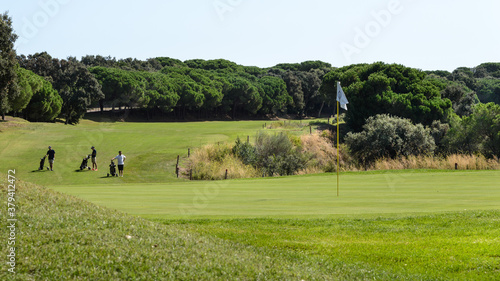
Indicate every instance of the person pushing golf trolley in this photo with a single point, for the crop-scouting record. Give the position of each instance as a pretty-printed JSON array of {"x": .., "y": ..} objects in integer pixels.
[{"x": 121, "y": 162}]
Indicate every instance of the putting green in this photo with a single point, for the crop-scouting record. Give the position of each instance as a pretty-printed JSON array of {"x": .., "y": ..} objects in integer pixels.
[{"x": 364, "y": 194}]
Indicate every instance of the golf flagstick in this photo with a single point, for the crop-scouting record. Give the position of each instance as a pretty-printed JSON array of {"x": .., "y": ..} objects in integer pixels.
[
  {"x": 338, "y": 138},
  {"x": 341, "y": 102}
]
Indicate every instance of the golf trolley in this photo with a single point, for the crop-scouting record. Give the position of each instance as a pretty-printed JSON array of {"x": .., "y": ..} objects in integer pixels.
[
  {"x": 85, "y": 160},
  {"x": 42, "y": 163},
  {"x": 112, "y": 169}
]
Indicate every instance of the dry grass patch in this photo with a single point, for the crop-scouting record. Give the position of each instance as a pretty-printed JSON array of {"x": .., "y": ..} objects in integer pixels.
[
  {"x": 462, "y": 162},
  {"x": 211, "y": 162}
]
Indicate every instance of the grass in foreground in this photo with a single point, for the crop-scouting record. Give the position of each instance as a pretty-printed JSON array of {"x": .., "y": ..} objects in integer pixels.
[
  {"x": 63, "y": 238},
  {"x": 452, "y": 246}
]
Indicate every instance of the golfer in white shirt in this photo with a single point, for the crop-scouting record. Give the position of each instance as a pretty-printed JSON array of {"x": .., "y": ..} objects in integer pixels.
[{"x": 121, "y": 162}]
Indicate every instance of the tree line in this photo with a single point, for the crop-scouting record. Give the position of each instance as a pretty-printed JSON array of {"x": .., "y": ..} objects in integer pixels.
[{"x": 459, "y": 109}]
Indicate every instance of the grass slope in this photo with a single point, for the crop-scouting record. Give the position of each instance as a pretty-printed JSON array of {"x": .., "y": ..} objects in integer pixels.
[{"x": 151, "y": 148}]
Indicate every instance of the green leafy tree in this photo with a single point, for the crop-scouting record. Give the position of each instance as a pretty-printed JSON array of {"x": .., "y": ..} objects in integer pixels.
[
  {"x": 9, "y": 90},
  {"x": 304, "y": 66},
  {"x": 120, "y": 87},
  {"x": 477, "y": 133},
  {"x": 275, "y": 98},
  {"x": 438, "y": 131},
  {"x": 311, "y": 83},
  {"x": 166, "y": 61},
  {"x": 487, "y": 70},
  {"x": 294, "y": 88},
  {"x": 462, "y": 100},
  {"x": 42, "y": 64},
  {"x": 78, "y": 89},
  {"x": 45, "y": 104},
  {"x": 486, "y": 120},
  {"x": 218, "y": 64},
  {"x": 27, "y": 85},
  {"x": 37, "y": 100},
  {"x": 241, "y": 95},
  {"x": 160, "y": 92},
  {"x": 386, "y": 89},
  {"x": 190, "y": 93},
  {"x": 75, "y": 84},
  {"x": 92, "y": 61},
  {"x": 212, "y": 86},
  {"x": 488, "y": 90},
  {"x": 466, "y": 75}
]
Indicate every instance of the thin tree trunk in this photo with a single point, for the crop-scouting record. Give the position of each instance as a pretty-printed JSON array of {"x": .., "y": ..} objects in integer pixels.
[{"x": 321, "y": 109}]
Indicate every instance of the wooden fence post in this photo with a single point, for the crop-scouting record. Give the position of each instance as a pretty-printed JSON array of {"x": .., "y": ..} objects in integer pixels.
[{"x": 177, "y": 167}]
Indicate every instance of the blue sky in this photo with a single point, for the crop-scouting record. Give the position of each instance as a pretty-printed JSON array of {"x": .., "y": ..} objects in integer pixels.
[{"x": 425, "y": 34}]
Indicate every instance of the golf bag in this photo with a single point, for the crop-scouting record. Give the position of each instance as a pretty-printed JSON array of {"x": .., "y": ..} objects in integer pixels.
[
  {"x": 84, "y": 163},
  {"x": 42, "y": 163},
  {"x": 112, "y": 169}
]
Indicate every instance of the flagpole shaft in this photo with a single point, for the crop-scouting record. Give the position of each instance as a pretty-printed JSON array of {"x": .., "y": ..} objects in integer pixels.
[{"x": 338, "y": 141}]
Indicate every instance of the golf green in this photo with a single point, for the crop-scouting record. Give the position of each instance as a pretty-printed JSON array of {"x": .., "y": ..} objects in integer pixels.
[{"x": 372, "y": 193}]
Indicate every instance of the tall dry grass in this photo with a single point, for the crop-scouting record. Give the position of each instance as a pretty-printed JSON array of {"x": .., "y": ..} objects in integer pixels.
[
  {"x": 211, "y": 162},
  {"x": 462, "y": 161},
  {"x": 323, "y": 154}
]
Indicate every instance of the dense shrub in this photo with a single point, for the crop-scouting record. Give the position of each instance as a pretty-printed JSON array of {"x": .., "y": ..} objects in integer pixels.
[
  {"x": 272, "y": 154},
  {"x": 276, "y": 155},
  {"x": 245, "y": 151},
  {"x": 384, "y": 136}
]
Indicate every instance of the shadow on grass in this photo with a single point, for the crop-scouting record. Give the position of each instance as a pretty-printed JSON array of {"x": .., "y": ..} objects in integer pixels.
[
  {"x": 110, "y": 176},
  {"x": 38, "y": 170},
  {"x": 78, "y": 170}
]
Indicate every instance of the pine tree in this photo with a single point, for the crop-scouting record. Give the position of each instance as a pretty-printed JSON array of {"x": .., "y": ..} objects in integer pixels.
[{"x": 8, "y": 65}]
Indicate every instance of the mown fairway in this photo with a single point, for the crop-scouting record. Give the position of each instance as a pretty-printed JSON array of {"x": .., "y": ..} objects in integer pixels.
[{"x": 151, "y": 148}]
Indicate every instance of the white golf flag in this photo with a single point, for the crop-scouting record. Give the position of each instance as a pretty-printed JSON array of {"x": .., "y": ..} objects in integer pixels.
[{"x": 341, "y": 98}]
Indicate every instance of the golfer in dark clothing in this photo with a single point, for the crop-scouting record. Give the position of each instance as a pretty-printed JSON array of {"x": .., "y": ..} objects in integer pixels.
[
  {"x": 51, "y": 154},
  {"x": 94, "y": 159}
]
